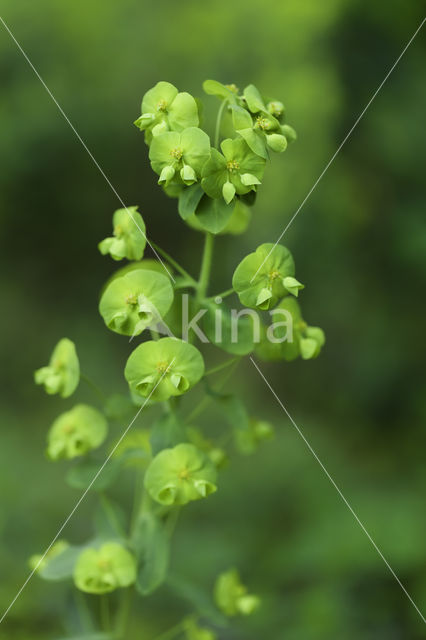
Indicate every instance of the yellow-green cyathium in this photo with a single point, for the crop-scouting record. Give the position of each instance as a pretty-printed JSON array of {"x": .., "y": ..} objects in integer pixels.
[
  {"x": 76, "y": 432},
  {"x": 62, "y": 374}
]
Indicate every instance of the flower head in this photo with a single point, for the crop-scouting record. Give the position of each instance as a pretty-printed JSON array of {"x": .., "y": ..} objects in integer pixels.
[
  {"x": 129, "y": 237},
  {"x": 105, "y": 569},
  {"x": 264, "y": 277},
  {"x": 76, "y": 432},
  {"x": 237, "y": 170},
  {"x": 292, "y": 339},
  {"x": 231, "y": 595},
  {"x": 179, "y": 157},
  {"x": 62, "y": 374},
  {"x": 179, "y": 475},
  {"x": 163, "y": 368},
  {"x": 135, "y": 300},
  {"x": 164, "y": 108}
]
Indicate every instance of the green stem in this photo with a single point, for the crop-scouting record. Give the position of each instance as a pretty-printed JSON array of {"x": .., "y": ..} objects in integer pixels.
[
  {"x": 221, "y": 366},
  {"x": 83, "y": 611},
  {"x": 172, "y": 633},
  {"x": 207, "y": 399},
  {"x": 173, "y": 262},
  {"x": 123, "y": 614},
  {"x": 105, "y": 616},
  {"x": 218, "y": 123},
  {"x": 93, "y": 386},
  {"x": 222, "y": 295},
  {"x": 206, "y": 264}
]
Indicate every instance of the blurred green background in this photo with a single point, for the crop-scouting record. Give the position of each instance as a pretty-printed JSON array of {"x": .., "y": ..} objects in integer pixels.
[{"x": 359, "y": 244}]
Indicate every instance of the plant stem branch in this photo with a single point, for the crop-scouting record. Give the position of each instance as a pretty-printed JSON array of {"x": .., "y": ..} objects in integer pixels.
[
  {"x": 206, "y": 264},
  {"x": 172, "y": 633},
  {"x": 222, "y": 295},
  {"x": 173, "y": 263},
  {"x": 93, "y": 386},
  {"x": 105, "y": 615},
  {"x": 218, "y": 123},
  {"x": 221, "y": 366}
]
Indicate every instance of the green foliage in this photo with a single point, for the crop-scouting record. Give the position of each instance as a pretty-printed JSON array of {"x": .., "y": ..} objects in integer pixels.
[{"x": 173, "y": 461}]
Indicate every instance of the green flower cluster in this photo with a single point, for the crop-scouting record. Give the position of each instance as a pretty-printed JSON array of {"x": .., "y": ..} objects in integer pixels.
[{"x": 210, "y": 180}]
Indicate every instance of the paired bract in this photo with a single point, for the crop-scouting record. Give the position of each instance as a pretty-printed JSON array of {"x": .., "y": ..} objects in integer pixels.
[
  {"x": 266, "y": 276},
  {"x": 164, "y": 108},
  {"x": 237, "y": 170},
  {"x": 105, "y": 569},
  {"x": 62, "y": 374},
  {"x": 179, "y": 157},
  {"x": 129, "y": 237},
  {"x": 163, "y": 368},
  {"x": 76, "y": 432},
  {"x": 179, "y": 475},
  {"x": 132, "y": 302}
]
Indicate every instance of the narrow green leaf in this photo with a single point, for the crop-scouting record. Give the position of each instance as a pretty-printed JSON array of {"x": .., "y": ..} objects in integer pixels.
[
  {"x": 109, "y": 520},
  {"x": 152, "y": 547}
]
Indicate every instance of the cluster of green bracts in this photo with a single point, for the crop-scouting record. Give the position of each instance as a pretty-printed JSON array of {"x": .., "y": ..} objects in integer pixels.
[{"x": 215, "y": 186}]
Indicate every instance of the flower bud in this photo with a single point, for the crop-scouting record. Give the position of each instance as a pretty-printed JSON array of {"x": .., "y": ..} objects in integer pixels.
[
  {"x": 276, "y": 142},
  {"x": 292, "y": 285},
  {"x": 231, "y": 595},
  {"x": 289, "y": 133}
]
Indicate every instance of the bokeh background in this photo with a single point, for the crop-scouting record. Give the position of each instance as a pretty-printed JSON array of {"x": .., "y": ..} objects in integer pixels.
[{"x": 359, "y": 244}]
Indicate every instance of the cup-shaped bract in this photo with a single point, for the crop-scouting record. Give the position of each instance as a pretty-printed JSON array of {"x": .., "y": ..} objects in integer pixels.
[
  {"x": 179, "y": 157},
  {"x": 163, "y": 368},
  {"x": 105, "y": 569},
  {"x": 261, "y": 277},
  {"x": 236, "y": 170},
  {"x": 179, "y": 475},
  {"x": 131, "y": 303},
  {"x": 232, "y": 596},
  {"x": 62, "y": 374},
  {"x": 290, "y": 336},
  {"x": 129, "y": 236},
  {"x": 76, "y": 432},
  {"x": 164, "y": 108}
]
